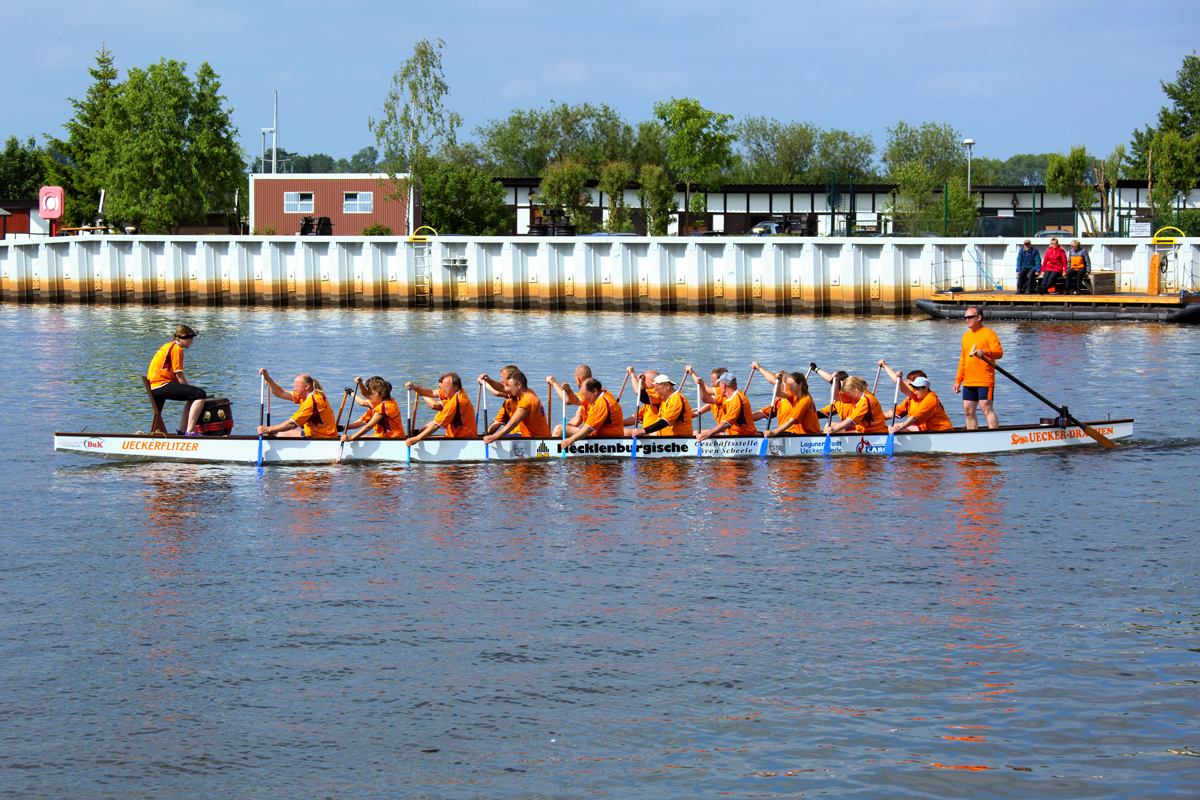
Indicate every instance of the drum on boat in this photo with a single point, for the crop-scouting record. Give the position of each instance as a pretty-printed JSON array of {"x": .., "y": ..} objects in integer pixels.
[{"x": 217, "y": 417}]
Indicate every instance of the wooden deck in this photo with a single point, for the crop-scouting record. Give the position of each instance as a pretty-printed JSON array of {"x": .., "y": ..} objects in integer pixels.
[{"x": 1120, "y": 298}]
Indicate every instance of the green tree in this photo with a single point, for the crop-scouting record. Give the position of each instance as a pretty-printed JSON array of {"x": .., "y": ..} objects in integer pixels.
[
  {"x": 656, "y": 196},
  {"x": 699, "y": 141},
  {"x": 847, "y": 155},
  {"x": 364, "y": 160},
  {"x": 526, "y": 142},
  {"x": 649, "y": 144},
  {"x": 1183, "y": 115},
  {"x": 1073, "y": 176},
  {"x": 1174, "y": 166},
  {"x": 775, "y": 152},
  {"x": 564, "y": 187},
  {"x": 22, "y": 169},
  {"x": 464, "y": 200},
  {"x": 615, "y": 178},
  {"x": 416, "y": 123},
  {"x": 69, "y": 163},
  {"x": 1108, "y": 172},
  {"x": 920, "y": 203},
  {"x": 168, "y": 151},
  {"x": 938, "y": 147}
]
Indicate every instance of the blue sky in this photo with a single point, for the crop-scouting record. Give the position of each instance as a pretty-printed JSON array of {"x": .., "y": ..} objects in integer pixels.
[{"x": 1016, "y": 76}]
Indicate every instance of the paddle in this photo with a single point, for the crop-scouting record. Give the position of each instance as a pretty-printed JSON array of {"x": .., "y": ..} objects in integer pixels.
[
  {"x": 623, "y": 387},
  {"x": 262, "y": 399},
  {"x": 1062, "y": 412},
  {"x": 407, "y": 405},
  {"x": 337, "y": 423},
  {"x": 477, "y": 398},
  {"x": 486, "y": 449},
  {"x": 833, "y": 387},
  {"x": 353, "y": 403},
  {"x": 563, "y": 399},
  {"x": 890, "y": 447},
  {"x": 762, "y": 448},
  {"x": 878, "y": 372},
  {"x": 698, "y": 416}
]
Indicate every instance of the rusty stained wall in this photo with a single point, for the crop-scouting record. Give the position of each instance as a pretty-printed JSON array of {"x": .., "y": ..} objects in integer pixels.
[{"x": 267, "y": 198}]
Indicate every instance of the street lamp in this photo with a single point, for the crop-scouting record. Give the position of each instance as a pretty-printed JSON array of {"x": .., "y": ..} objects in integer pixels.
[{"x": 969, "y": 143}]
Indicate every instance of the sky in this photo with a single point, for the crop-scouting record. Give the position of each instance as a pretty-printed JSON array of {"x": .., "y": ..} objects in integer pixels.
[{"x": 1017, "y": 76}]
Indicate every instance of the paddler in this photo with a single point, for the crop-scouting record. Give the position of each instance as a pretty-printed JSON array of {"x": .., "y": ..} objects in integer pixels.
[
  {"x": 602, "y": 414},
  {"x": 866, "y": 416},
  {"x": 456, "y": 415},
  {"x": 843, "y": 405},
  {"x": 735, "y": 418},
  {"x": 673, "y": 414},
  {"x": 921, "y": 409},
  {"x": 711, "y": 397},
  {"x": 798, "y": 416},
  {"x": 583, "y": 373},
  {"x": 645, "y": 403},
  {"x": 167, "y": 381},
  {"x": 383, "y": 415},
  {"x": 313, "y": 418},
  {"x": 497, "y": 389},
  {"x": 528, "y": 417}
]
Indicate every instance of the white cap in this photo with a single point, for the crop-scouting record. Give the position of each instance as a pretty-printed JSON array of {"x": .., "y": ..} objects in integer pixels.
[
  {"x": 920, "y": 383},
  {"x": 663, "y": 379},
  {"x": 727, "y": 377}
]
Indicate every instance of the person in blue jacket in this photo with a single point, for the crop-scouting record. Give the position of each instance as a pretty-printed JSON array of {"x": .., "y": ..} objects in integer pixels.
[{"x": 1029, "y": 264}]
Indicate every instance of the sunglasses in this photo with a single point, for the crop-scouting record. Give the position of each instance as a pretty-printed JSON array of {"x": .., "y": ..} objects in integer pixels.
[{"x": 970, "y": 316}]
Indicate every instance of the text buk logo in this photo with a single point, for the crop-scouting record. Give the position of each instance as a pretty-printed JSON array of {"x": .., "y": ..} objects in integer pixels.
[{"x": 94, "y": 444}]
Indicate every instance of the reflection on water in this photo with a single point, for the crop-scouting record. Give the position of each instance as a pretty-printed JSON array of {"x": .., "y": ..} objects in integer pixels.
[{"x": 1020, "y": 625}]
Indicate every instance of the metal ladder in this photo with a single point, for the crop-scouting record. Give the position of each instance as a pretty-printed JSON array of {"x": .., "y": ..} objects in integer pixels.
[
  {"x": 1166, "y": 247},
  {"x": 422, "y": 269}
]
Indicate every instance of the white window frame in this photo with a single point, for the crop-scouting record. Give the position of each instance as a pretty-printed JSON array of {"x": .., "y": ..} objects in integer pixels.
[
  {"x": 358, "y": 205},
  {"x": 294, "y": 203}
]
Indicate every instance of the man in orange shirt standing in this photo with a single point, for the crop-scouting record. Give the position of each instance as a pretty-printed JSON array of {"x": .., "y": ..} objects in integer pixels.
[
  {"x": 976, "y": 378},
  {"x": 601, "y": 414}
]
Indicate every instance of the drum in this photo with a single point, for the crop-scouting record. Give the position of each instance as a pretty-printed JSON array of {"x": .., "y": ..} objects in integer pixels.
[{"x": 217, "y": 417}]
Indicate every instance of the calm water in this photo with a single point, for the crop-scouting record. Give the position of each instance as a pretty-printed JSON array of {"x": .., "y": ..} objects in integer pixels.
[{"x": 1012, "y": 626}]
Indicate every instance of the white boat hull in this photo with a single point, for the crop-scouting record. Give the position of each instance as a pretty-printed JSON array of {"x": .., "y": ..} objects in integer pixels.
[{"x": 244, "y": 449}]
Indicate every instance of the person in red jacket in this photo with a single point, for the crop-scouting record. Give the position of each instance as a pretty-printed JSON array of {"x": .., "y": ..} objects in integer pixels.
[{"x": 1054, "y": 266}]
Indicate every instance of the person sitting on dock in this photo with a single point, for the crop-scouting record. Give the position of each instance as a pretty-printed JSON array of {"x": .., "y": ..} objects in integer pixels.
[
  {"x": 1079, "y": 263},
  {"x": 673, "y": 415},
  {"x": 167, "y": 381},
  {"x": 601, "y": 414},
  {"x": 496, "y": 389},
  {"x": 528, "y": 417},
  {"x": 867, "y": 414},
  {"x": 921, "y": 409},
  {"x": 736, "y": 417},
  {"x": 1053, "y": 266},
  {"x": 383, "y": 416},
  {"x": 456, "y": 415},
  {"x": 976, "y": 378},
  {"x": 313, "y": 418},
  {"x": 1029, "y": 264}
]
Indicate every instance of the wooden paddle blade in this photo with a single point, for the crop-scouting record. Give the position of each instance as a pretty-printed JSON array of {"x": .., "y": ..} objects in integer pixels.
[{"x": 1109, "y": 444}]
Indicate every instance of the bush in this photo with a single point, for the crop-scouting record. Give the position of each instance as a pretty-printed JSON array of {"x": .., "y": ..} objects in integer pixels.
[
  {"x": 267, "y": 231},
  {"x": 377, "y": 229}
]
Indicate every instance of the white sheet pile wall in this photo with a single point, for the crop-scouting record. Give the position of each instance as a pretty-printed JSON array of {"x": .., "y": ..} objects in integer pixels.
[{"x": 780, "y": 274}]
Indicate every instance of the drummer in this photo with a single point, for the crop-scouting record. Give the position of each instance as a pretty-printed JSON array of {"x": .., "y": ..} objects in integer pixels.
[
  {"x": 314, "y": 417},
  {"x": 167, "y": 381}
]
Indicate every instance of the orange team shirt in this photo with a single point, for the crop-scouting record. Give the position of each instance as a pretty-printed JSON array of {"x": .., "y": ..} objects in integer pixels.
[
  {"x": 868, "y": 415},
  {"x": 604, "y": 416},
  {"x": 678, "y": 411},
  {"x": 841, "y": 409},
  {"x": 457, "y": 416},
  {"x": 928, "y": 413},
  {"x": 506, "y": 410},
  {"x": 392, "y": 424},
  {"x": 975, "y": 371},
  {"x": 783, "y": 405},
  {"x": 736, "y": 411},
  {"x": 534, "y": 423},
  {"x": 315, "y": 415},
  {"x": 804, "y": 412},
  {"x": 166, "y": 362}
]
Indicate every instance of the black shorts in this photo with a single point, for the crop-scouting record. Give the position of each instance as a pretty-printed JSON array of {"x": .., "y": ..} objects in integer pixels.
[
  {"x": 178, "y": 391},
  {"x": 973, "y": 394}
]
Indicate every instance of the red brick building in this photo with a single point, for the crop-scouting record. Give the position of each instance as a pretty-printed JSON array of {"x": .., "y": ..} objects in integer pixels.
[{"x": 351, "y": 201}]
